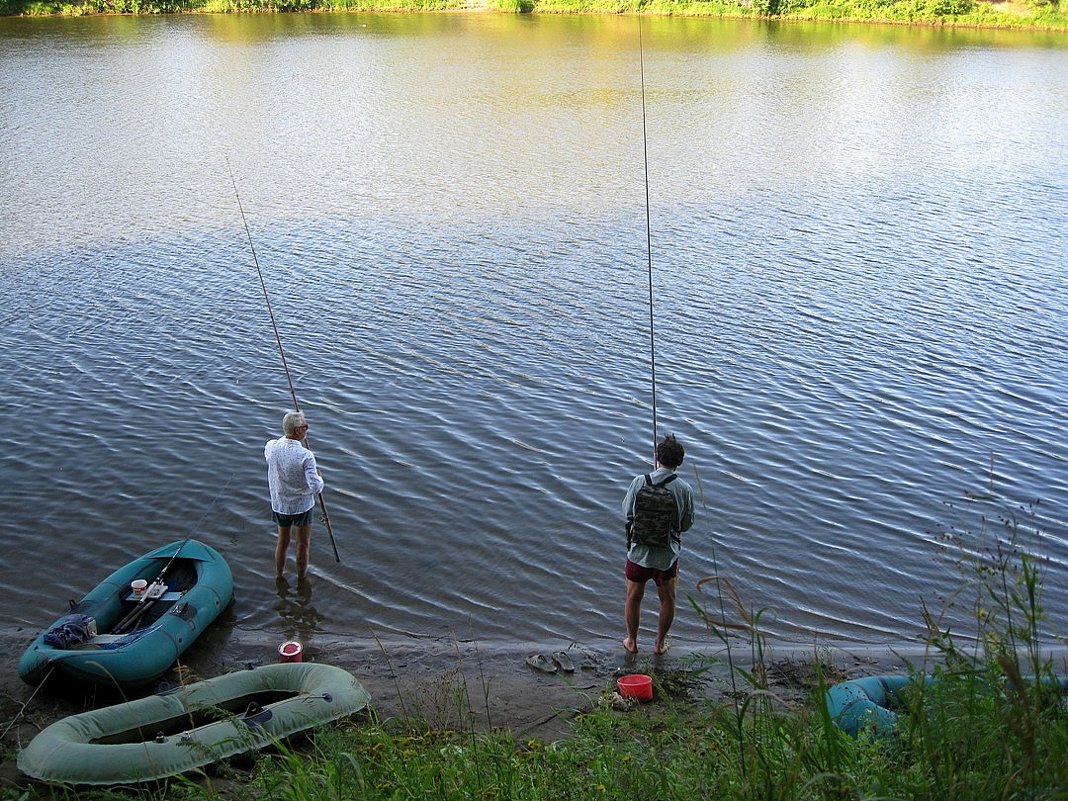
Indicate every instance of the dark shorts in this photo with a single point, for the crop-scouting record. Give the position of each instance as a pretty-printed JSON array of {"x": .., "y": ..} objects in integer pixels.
[
  {"x": 643, "y": 574},
  {"x": 285, "y": 521}
]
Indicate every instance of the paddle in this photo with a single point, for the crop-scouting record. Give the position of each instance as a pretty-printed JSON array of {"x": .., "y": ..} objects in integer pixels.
[{"x": 148, "y": 597}]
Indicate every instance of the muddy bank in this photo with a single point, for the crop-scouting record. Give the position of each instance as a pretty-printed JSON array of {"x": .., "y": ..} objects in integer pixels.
[{"x": 449, "y": 684}]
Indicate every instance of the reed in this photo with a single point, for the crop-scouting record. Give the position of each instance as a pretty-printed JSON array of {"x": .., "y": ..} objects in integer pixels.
[{"x": 993, "y": 721}]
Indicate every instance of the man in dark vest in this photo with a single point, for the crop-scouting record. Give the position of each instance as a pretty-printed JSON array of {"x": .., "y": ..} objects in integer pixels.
[{"x": 655, "y": 522}]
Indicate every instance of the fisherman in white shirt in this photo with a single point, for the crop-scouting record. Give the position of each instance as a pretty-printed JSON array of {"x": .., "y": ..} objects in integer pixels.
[{"x": 294, "y": 481}]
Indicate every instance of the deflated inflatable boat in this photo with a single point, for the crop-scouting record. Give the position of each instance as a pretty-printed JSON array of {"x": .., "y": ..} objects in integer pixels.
[{"x": 188, "y": 727}]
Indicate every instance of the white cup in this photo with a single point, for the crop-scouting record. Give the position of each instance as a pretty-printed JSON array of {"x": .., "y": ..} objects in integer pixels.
[{"x": 138, "y": 587}]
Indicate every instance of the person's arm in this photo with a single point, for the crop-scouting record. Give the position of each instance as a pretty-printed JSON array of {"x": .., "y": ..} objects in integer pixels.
[
  {"x": 687, "y": 512},
  {"x": 311, "y": 475},
  {"x": 628, "y": 499}
]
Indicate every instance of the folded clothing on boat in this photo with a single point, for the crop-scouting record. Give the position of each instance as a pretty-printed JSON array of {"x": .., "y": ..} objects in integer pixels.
[{"x": 70, "y": 631}]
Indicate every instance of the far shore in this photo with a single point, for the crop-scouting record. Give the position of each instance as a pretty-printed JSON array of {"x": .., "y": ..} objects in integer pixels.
[{"x": 1017, "y": 15}]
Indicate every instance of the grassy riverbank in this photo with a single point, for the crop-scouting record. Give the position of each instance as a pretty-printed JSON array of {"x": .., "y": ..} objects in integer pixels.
[
  {"x": 1033, "y": 14},
  {"x": 969, "y": 737},
  {"x": 978, "y": 724}
]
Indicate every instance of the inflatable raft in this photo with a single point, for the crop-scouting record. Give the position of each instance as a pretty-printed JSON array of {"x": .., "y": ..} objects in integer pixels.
[
  {"x": 189, "y": 727},
  {"x": 113, "y": 637},
  {"x": 867, "y": 704},
  {"x": 872, "y": 703}
]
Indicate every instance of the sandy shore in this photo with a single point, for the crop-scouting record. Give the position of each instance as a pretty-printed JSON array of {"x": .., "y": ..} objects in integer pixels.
[{"x": 450, "y": 684}]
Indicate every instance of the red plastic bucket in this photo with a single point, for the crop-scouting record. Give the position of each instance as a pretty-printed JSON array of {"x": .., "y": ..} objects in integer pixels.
[
  {"x": 636, "y": 685},
  {"x": 291, "y": 651}
]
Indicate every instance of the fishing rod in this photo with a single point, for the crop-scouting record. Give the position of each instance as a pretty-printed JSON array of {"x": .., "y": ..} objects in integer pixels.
[
  {"x": 281, "y": 350},
  {"x": 148, "y": 596},
  {"x": 648, "y": 231}
]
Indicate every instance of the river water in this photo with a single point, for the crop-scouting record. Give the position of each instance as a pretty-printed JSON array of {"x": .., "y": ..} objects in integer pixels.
[{"x": 859, "y": 264}]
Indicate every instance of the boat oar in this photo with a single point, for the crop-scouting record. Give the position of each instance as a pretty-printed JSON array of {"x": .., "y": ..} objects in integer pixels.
[{"x": 149, "y": 596}]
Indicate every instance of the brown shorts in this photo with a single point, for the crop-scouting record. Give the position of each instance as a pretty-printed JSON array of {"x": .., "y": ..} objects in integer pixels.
[{"x": 643, "y": 574}]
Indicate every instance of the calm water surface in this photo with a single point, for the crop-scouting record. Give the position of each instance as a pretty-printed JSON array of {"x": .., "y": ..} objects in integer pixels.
[{"x": 859, "y": 261}]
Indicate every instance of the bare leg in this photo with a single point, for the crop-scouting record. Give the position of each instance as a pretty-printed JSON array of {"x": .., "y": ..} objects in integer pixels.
[
  {"x": 666, "y": 591},
  {"x": 632, "y": 614},
  {"x": 281, "y": 549},
  {"x": 303, "y": 551}
]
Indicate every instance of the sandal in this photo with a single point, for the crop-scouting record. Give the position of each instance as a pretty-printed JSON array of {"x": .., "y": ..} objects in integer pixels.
[
  {"x": 562, "y": 659},
  {"x": 540, "y": 663}
]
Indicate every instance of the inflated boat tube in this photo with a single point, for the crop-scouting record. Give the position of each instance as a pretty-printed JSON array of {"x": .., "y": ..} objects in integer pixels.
[
  {"x": 872, "y": 703},
  {"x": 867, "y": 704},
  {"x": 192, "y": 726}
]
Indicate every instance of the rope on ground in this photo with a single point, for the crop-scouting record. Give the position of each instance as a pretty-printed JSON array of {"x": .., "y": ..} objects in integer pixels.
[{"x": 26, "y": 703}]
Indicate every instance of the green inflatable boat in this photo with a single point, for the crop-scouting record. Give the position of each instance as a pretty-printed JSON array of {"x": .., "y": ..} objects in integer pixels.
[
  {"x": 189, "y": 727},
  {"x": 118, "y": 637},
  {"x": 873, "y": 704}
]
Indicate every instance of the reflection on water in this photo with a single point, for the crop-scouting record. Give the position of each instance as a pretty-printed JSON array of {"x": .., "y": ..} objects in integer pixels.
[
  {"x": 856, "y": 307},
  {"x": 299, "y": 617}
]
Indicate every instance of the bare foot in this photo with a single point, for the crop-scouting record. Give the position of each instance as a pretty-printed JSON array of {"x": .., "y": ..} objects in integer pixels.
[
  {"x": 630, "y": 646},
  {"x": 661, "y": 648}
]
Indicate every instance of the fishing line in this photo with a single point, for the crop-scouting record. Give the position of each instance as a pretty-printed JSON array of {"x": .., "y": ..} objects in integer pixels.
[
  {"x": 278, "y": 340},
  {"x": 648, "y": 231},
  {"x": 725, "y": 636},
  {"x": 26, "y": 703}
]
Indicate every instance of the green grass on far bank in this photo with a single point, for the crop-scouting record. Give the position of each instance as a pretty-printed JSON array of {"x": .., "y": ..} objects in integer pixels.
[
  {"x": 987, "y": 721},
  {"x": 1037, "y": 14}
]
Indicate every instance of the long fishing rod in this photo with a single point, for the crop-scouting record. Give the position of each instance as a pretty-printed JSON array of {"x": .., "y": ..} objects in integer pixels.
[
  {"x": 648, "y": 231},
  {"x": 281, "y": 350}
]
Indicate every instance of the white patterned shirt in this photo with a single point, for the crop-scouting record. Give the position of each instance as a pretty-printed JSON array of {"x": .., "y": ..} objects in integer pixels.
[{"x": 292, "y": 476}]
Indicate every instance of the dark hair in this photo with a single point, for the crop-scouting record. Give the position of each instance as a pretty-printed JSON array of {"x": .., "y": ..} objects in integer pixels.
[{"x": 670, "y": 452}]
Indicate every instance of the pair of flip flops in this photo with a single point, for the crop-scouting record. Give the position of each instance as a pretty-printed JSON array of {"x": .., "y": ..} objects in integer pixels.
[{"x": 560, "y": 661}]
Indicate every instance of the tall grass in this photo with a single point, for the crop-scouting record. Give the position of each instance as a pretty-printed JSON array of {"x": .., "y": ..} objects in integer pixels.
[{"x": 994, "y": 721}]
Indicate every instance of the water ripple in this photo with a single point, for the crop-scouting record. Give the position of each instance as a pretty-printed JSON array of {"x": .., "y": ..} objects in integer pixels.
[{"x": 858, "y": 315}]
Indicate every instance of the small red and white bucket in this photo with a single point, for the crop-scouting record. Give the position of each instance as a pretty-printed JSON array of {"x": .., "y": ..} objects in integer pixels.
[{"x": 291, "y": 651}]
